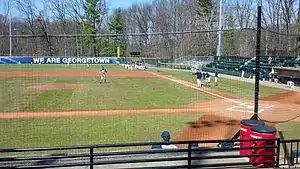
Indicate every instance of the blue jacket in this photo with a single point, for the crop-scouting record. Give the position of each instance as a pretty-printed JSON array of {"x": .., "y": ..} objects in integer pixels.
[
  {"x": 216, "y": 74},
  {"x": 207, "y": 75},
  {"x": 199, "y": 75},
  {"x": 243, "y": 68}
]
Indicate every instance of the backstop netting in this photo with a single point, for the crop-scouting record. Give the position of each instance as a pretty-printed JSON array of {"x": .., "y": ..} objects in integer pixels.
[{"x": 67, "y": 79}]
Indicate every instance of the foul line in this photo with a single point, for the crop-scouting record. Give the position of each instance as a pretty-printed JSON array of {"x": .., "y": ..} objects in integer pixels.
[
  {"x": 182, "y": 82},
  {"x": 240, "y": 104}
]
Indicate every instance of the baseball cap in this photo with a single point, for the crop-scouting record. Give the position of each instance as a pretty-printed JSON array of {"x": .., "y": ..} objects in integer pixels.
[{"x": 166, "y": 135}]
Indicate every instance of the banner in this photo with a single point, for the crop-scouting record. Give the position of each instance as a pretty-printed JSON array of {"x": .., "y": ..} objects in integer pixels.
[{"x": 60, "y": 60}]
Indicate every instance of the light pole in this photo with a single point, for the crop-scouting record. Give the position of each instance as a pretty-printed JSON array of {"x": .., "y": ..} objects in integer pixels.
[
  {"x": 219, "y": 48},
  {"x": 10, "y": 45}
]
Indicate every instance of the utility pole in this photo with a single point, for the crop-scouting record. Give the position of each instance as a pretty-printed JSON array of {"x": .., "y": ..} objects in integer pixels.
[{"x": 219, "y": 48}]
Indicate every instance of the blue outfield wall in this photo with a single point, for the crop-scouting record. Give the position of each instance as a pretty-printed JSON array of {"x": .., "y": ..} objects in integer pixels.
[{"x": 59, "y": 60}]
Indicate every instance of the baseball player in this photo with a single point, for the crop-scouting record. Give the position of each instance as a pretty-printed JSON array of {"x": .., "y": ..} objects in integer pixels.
[
  {"x": 103, "y": 75},
  {"x": 199, "y": 78},
  {"x": 131, "y": 66},
  {"x": 243, "y": 71},
  {"x": 207, "y": 78},
  {"x": 216, "y": 78}
]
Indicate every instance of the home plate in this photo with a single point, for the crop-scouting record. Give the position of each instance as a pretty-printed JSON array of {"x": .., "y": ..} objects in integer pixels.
[{"x": 249, "y": 107}]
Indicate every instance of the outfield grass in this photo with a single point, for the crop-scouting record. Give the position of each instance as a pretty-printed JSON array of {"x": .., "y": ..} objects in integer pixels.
[
  {"x": 59, "y": 67},
  {"x": 119, "y": 92},
  {"x": 232, "y": 87},
  {"x": 69, "y": 131},
  {"x": 290, "y": 130}
]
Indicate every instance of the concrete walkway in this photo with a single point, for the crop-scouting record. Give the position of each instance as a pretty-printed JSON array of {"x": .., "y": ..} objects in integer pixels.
[
  {"x": 148, "y": 164},
  {"x": 166, "y": 156}
]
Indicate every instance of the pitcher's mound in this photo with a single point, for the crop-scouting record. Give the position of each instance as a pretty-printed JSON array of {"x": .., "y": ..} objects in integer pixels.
[{"x": 54, "y": 86}]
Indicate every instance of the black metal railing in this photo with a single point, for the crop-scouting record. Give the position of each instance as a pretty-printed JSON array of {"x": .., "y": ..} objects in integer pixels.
[
  {"x": 187, "y": 156},
  {"x": 291, "y": 153}
]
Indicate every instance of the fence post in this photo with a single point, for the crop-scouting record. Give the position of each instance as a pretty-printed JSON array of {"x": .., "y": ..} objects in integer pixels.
[
  {"x": 189, "y": 155},
  {"x": 91, "y": 157},
  {"x": 291, "y": 155},
  {"x": 278, "y": 153}
]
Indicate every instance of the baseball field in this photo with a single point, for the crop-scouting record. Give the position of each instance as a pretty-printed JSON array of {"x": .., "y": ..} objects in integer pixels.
[{"x": 63, "y": 105}]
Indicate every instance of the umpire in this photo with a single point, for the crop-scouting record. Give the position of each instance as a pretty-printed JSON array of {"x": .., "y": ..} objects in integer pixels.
[{"x": 199, "y": 78}]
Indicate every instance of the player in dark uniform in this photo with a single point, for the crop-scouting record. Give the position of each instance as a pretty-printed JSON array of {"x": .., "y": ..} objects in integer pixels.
[
  {"x": 207, "y": 77},
  {"x": 216, "y": 78},
  {"x": 199, "y": 78},
  {"x": 243, "y": 70}
]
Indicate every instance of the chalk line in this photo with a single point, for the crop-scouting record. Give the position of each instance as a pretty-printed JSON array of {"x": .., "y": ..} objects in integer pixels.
[{"x": 182, "y": 82}]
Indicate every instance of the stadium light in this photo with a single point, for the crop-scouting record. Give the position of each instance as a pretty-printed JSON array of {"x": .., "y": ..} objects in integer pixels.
[
  {"x": 219, "y": 48},
  {"x": 10, "y": 45}
]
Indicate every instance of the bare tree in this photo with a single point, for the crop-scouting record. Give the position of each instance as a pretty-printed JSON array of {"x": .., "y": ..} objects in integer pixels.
[
  {"x": 59, "y": 9},
  {"x": 6, "y": 4},
  {"x": 287, "y": 16},
  {"x": 271, "y": 20},
  {"x": 139, "y": 19},
  {"x": 42, "y": 24},
  {"x": 245, "y": 16},
  {"x": 29, "y": 11},
  {"x": 4, "y": 27}
]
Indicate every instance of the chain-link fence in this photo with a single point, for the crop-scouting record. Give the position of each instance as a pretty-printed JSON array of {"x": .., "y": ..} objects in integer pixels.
[
  {"x": 172, "y": 45},
  {"x": 183, "y": 50}
]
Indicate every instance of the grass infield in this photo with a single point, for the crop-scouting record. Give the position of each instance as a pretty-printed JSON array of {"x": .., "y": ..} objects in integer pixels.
[{"x": 118, "y": 93}]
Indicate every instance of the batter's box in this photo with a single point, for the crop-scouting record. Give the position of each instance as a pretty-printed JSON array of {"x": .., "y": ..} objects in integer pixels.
[
  {"x": 243, "y": 109},
  {"x": 264, "y": 106}
]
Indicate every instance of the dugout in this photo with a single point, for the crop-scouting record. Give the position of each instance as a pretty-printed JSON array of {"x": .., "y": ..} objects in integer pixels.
[{"x": 285, "y": 74}]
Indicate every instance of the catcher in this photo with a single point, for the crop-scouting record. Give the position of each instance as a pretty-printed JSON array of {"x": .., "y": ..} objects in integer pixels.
[{"x": 103, "y": 73}]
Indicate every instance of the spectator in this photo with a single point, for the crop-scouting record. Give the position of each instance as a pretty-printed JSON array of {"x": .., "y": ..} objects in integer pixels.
[
  {"x": 194, "y": 145},
  {"x": 270, "y": 60},
  {"x": 166, "y": 139}
]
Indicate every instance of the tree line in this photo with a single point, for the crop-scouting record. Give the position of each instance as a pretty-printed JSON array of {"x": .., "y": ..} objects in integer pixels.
[{"x": 280, "y": 20}]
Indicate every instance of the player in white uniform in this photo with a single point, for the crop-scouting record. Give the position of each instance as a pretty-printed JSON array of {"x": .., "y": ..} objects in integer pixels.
[
  {"x": 290, "y": 84},
  {"x": 103, "y": 75}
]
